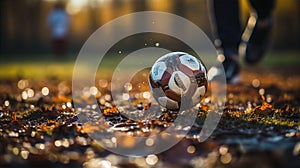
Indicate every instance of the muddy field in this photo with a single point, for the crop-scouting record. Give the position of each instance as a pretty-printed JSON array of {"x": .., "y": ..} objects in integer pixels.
[{"x": 260, "y": 125}]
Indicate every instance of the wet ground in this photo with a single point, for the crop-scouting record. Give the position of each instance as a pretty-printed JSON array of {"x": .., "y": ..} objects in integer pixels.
[{"x": 260, "y": 125}]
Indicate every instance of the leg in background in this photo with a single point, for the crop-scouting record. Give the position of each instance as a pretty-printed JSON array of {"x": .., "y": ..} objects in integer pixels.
[
  {"x": 260, "y": 38},
  {"x": 229, "y": 32}
]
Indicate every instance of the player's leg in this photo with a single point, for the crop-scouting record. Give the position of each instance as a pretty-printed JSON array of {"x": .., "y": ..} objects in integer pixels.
[
  {"x": 229, "y": 32},
  {"x": 263, "y": 8},
  {"x": 259, "y": 40}
]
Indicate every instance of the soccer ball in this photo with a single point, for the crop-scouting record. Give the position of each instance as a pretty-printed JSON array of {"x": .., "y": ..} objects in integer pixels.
[{"x": 178, "y": 81}]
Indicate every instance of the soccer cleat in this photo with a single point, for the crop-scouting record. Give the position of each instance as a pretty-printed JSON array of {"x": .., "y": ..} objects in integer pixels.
[
  {"x": 259, "y": 40},
  {"x": 232, "y": 70}
]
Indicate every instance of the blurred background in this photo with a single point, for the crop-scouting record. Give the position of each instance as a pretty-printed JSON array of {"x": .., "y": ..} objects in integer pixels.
[
  {"x": 33, "y": 77},
  {"x": 24, "y": 28}
]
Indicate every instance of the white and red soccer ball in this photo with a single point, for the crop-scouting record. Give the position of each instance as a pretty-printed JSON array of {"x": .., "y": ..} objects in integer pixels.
[{"x": 178, "y": 81}]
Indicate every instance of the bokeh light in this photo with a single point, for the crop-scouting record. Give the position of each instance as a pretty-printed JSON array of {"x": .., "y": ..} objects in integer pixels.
[
  {"x": 149, "y": 142},
  {"x": 226, "y": 159},
  {"x": 191, "y": 149},
  {"x": 93, "y": 90},
  {"x": 151, "y": 160},
  {"x": 45, "y": 91},
  {"x": 6, "y": 103},
  {"x": 128, "y": 86}
]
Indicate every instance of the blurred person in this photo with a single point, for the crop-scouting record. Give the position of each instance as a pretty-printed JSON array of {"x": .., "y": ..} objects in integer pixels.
[
  {"x": 58, "y": 21},
  {"x": 230, "y": 34}
]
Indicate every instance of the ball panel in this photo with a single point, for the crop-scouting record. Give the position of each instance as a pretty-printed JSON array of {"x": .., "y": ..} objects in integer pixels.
[
  {"x": 168, "y": 103},
  {"x": 158, "y": 70},
  {"x": 190, "y": 62},
  {"x": 169, "y": 55},
  {"x": 186, "y": 70},
  {"x": 179, "y": 82},
  {"x": 197, "y": 72},
  {"x": 166, "y": 76},
  {"x": 172, "y": 95}
]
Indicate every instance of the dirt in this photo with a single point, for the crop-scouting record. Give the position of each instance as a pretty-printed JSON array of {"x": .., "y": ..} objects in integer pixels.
[{"x": 259, "y": 127}]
